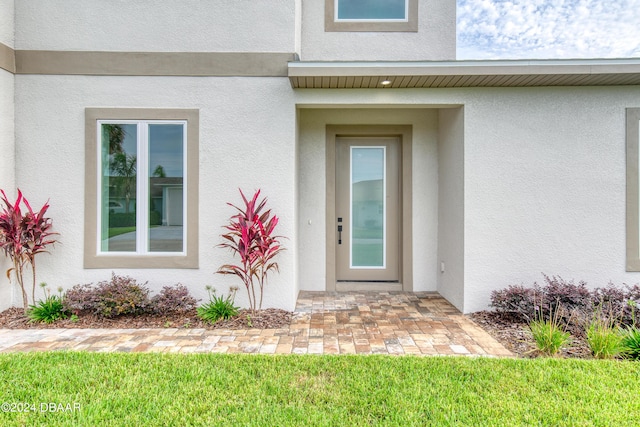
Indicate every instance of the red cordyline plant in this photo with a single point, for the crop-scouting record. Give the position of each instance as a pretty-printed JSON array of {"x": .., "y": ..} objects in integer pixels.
[
  {"x": 251, "y": 237},
  {"x": 22, "y": 237}
]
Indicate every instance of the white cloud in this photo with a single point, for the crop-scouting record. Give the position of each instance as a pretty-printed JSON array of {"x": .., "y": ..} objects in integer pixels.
[{"x": 535, "y": 29}]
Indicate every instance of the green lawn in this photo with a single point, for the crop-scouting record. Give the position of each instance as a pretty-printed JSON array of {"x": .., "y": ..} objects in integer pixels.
[
  {"x": 116, "y": 231},
  {"x": 209, "y": 389}
]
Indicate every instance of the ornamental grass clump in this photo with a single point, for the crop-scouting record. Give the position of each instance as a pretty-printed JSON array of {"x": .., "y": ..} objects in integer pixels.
[
  {"x": 23, "y": 235},
  {"x": 604, "y": 336},
  {"x": 251, "y": 237},
  {"x": 548, "y": 332}
]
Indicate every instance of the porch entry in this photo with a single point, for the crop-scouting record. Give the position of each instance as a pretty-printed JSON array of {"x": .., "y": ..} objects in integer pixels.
[{"x": 368, "y": 207}]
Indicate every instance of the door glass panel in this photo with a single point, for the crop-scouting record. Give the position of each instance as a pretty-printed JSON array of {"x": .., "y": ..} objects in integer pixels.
[
  {"x": 368, "y": 207},
  {"x": 166, "y": 204}
]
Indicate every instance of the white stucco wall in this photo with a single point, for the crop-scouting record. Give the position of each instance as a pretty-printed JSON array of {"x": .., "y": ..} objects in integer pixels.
[
  {"x": 156, "y": 25},
  {"x": 544, "y": 182},
  {"x": 545, "y": 187},
  {"x": 434, "y": 40},
  {"x": 7, "y": 22},
  {"x": 312, "y": 182},
  {"x": 247, "y": 140},
  {"x": 7, "y": 167},
  {"x": 451, "y": 205},
  {"x": 543, "y": 175},
  {"x": 7, "y": 146}
]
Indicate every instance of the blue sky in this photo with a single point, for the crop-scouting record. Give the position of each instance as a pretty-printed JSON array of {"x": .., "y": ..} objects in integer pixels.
[{"x": 540, "y": 29}]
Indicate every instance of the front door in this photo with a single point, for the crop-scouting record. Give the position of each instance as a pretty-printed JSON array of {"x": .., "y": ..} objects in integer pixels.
[{"x": 368, "y": 209}]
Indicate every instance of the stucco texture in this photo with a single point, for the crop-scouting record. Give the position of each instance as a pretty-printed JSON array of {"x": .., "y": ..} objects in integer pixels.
[
  {"x": 247, "y": 140},
  {"x": 156, "y": 25},
  {"x": 6, "y": 22},
  {"x": 543, "y": 180},
  {"x": 7, "y": 164},
  {"x": 535, "y": 183},
  {"x": 435, "y": 39},
  {"x": 312, "y": 181}
]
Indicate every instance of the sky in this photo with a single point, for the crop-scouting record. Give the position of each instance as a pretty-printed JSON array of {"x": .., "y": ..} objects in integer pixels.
[{"x": 548, "y": 29}]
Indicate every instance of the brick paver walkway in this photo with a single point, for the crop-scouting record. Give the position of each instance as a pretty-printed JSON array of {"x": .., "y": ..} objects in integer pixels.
[{"x": 324, "y": 323}]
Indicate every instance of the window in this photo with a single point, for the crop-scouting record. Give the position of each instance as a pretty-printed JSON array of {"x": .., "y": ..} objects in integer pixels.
[
  {"x": 633, "y": 189},
  {"x": 371, "y": 15},
  {"x": 371, "y": 10},
  {"x": 142, "y": 185}
]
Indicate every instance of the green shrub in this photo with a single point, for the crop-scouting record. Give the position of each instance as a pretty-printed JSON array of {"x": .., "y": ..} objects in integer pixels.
[
  {"x": 631, "y": 343},
  {"x": 155, "y": 218},
  {"x": 218, "y": 307},
  {"x": 122, "y": 219}
]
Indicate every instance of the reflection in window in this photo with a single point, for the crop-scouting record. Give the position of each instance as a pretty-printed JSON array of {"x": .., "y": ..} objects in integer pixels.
[
  {"x": 367, "y": 206},
  {"x": 141, "y": 215},
  {"x": 377, "y": 10}
]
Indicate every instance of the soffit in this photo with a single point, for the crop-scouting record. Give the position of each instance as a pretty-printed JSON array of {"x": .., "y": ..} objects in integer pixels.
[{"x": 451, "y": 74}]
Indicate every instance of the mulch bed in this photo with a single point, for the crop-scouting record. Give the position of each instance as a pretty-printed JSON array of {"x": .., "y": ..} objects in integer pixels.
[
  {"x": 515, "y": 336},
  {"x": 271, "y": 318}
]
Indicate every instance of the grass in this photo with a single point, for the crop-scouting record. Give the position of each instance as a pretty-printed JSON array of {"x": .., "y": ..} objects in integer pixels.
[
  {"x": 116, "y": 231},
  {"x": 548, "y": 336},
  {"x": 255, "y": 390},
  {"x": 604, "y": 340}
]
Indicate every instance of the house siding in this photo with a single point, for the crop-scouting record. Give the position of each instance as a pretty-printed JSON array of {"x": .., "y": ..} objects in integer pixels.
[
  {"x": 435, "y": 39},
  {"x": 7, "y": 140},
  {"x": 247, "y": 140},
  {"x": 156, "y": 25},
  {"x": 544, "y": 187},
  {"x": 506, "y": 182},
  {"x": 312, "y": 181},
  {"x": 543, "y": 178}
]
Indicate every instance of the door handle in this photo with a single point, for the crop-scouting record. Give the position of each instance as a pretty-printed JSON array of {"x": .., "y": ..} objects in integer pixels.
[{"x": 339, "y": 234}]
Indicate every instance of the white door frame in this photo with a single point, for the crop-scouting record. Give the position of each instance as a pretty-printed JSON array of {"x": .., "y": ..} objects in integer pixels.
[{"x": 404, "y": 132}]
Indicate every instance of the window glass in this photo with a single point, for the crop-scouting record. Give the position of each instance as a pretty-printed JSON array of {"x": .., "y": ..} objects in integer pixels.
[
  {"x": 141, "y": 215},
  {"x": 118, "y": 187},
  {"x": 166, "y": 206},
  {"x": 367, "y": 207},
  {"x": 378, "y": 10}
]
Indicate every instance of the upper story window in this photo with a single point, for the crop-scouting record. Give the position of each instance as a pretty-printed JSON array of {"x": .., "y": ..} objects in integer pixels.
[
  {"x": 141, "y": 188},
  {"x": 371, "y": 10},
  {"x": 371, "y": 15}
]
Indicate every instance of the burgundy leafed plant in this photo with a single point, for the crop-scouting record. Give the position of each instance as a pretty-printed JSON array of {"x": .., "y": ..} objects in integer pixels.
[
  {"x": 22, "y": 237},
  {"x": 250, "y": 236}
]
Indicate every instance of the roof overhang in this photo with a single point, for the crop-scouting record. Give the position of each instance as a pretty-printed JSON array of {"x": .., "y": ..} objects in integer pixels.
[{"x": 449, "y": 74}]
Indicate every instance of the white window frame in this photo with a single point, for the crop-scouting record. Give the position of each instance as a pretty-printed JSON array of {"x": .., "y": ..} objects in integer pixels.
[
  {"x": 94, "y": 257},
  {"x": 142, "y": 186}
]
